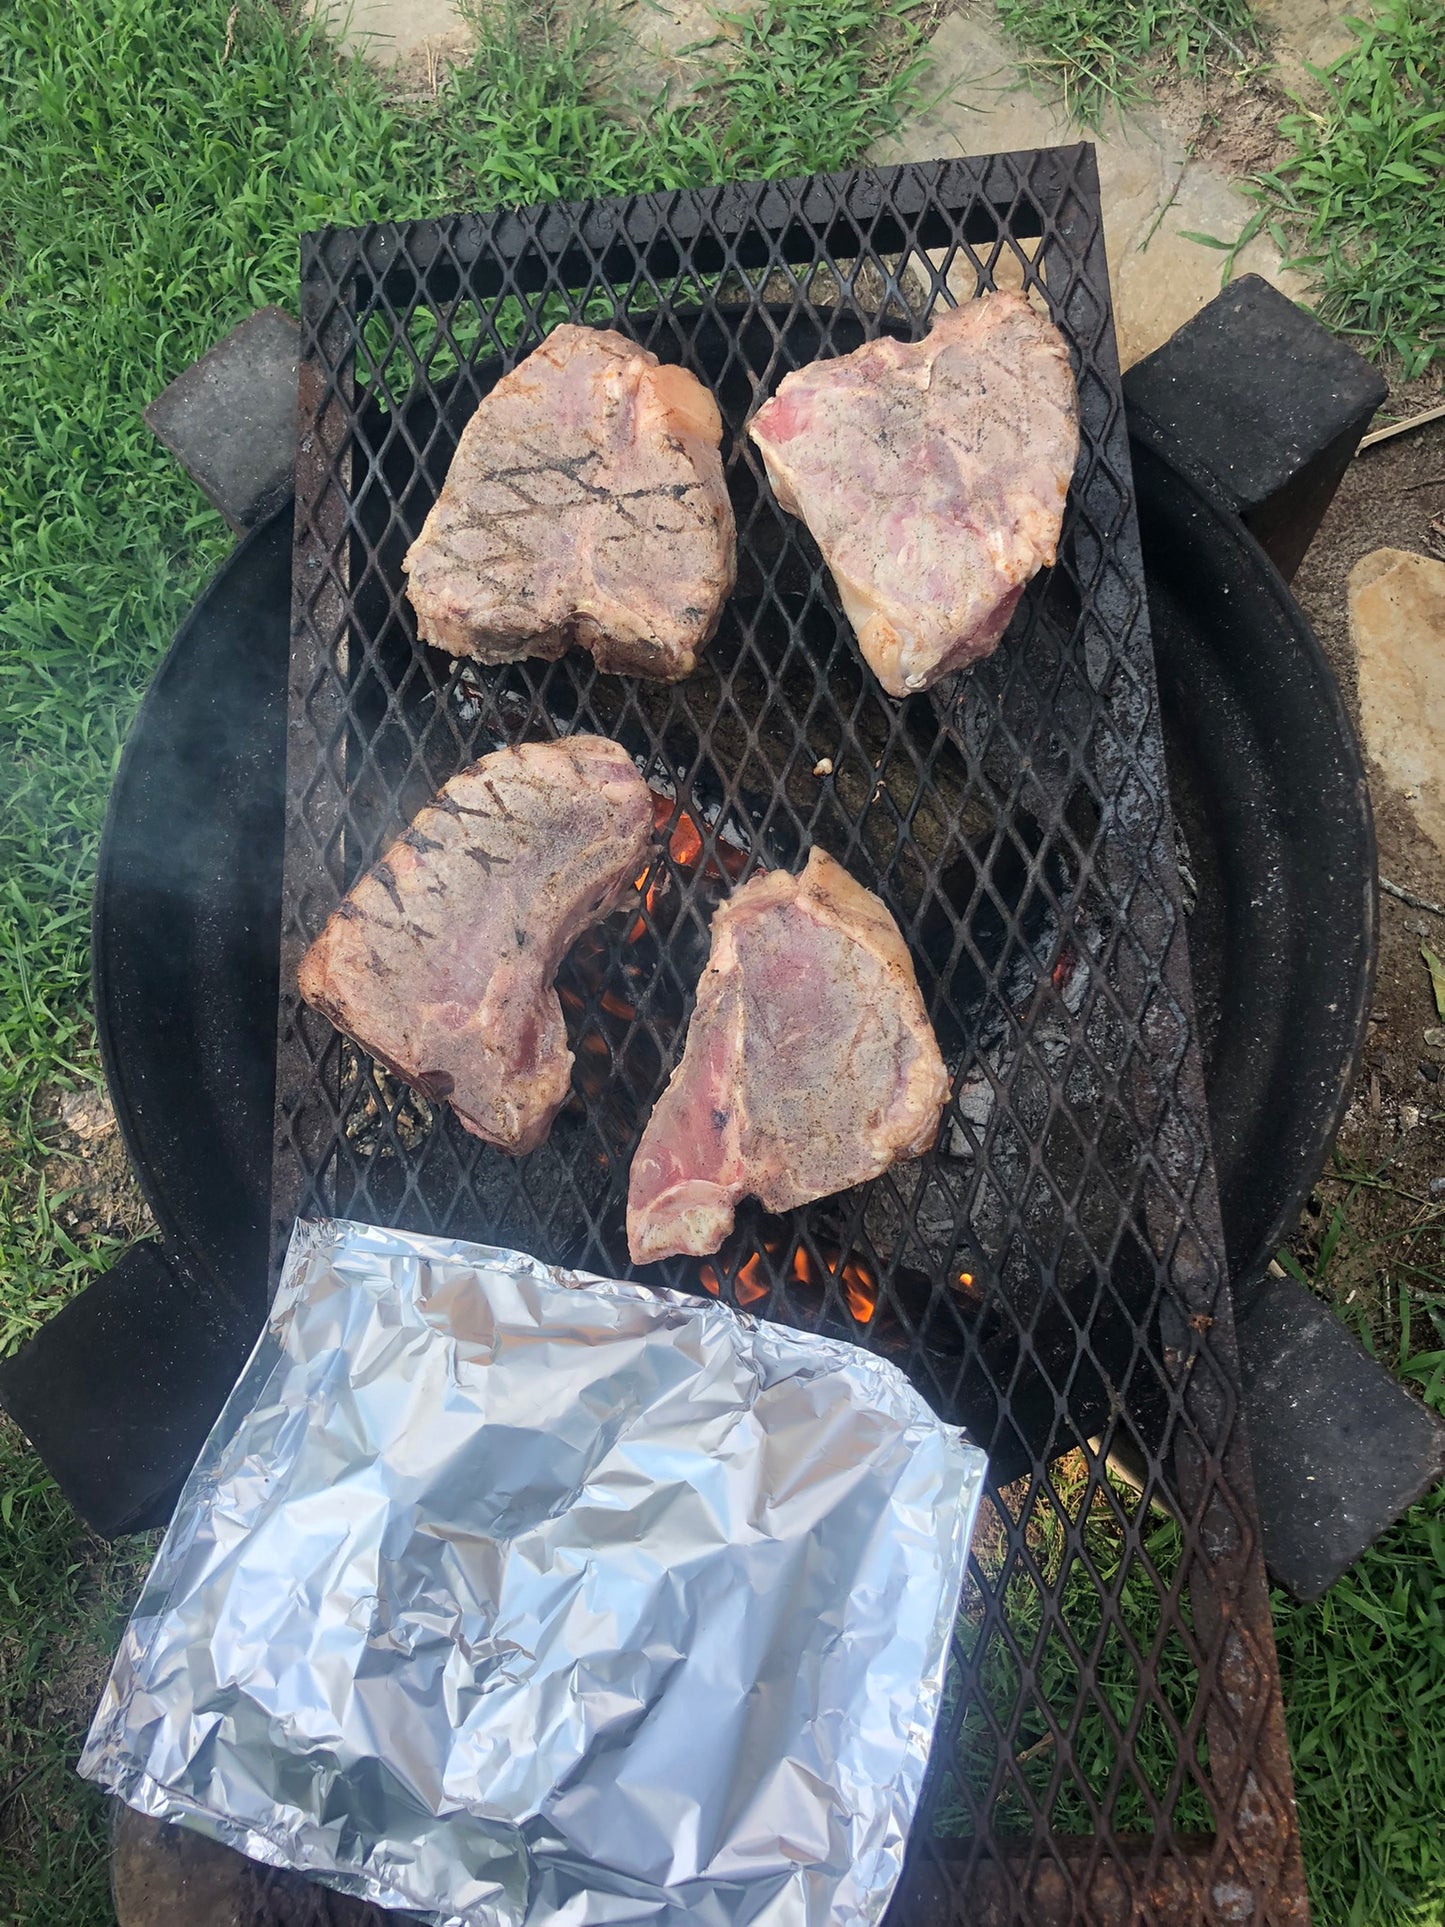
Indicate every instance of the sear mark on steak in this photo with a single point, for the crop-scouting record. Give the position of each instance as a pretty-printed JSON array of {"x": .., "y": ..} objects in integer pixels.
[
  {"x": 932, "y": 475},
  {"x": 585, "y": 503},
  {"x": 810, "y": 1064},
  {"x": 462, "y": 1006}
]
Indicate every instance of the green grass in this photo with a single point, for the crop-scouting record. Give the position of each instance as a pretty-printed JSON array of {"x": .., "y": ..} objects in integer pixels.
[
  {"x": 530, "y": 119},
  {"x": 1099, "y": 1781},
  {"x": 63, "y": 1600},
  {"x": 1097, "y": 52},
  {"x": 812, "y": 83},
  {"x": 1364, "y": 1682},
  {"x": 1362, "y": 196},
  {"x": 156, "y": 168},
  {"x": 1364, "y": 1670},
  {"x": 547, "y": 111}
]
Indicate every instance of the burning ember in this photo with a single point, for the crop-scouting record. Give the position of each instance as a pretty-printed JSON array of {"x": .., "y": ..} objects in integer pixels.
[
  {"x": 685, "y": 846},
  {"x": 585, "y": 975},
  {"x": 856, "y": 1279}
]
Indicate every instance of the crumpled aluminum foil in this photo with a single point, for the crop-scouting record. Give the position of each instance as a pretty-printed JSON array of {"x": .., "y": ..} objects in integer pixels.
[{"x": 513, "y": 1595}]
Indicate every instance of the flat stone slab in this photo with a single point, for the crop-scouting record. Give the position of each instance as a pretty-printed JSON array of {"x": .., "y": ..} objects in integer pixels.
[
  {"x": 1306, "y": 34},
  {"x": 669, "y": 44},
  {"x": 392, "y": 31},
  {"x": 663, "y": 42},
  {"x": 1153, "y": 193},
  {"x": 1397, "y": 624}
]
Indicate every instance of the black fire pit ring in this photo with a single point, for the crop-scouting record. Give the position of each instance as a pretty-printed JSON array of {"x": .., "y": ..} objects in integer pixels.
[{"x": 1267, "y": 786}]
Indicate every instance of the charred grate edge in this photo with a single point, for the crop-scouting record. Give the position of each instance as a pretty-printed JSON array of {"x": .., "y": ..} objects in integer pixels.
[{"x": 1112, "y": 1744}]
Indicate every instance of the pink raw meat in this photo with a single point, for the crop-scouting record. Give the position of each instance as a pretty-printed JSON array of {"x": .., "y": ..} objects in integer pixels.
[
  {"x": 440, "y": 960},
  {"x": 585, "y": 504},
  {"x": 810, "y": 1064},
  {"x": 932, "y": 475}
]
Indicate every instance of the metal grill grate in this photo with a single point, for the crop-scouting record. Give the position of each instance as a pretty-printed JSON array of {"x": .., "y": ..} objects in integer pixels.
[{"x": 1112, "y": 1747}]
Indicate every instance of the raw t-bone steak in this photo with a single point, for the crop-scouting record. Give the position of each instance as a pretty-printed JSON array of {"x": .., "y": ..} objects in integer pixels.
[
  {"x": 810, "y": 1064},
  {"x": 585, "y": 503},
  {"x": 932, "y": 475},
  {"x": 440, "y": 960}
]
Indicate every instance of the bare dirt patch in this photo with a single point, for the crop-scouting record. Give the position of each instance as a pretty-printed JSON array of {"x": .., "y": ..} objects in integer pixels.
[
  {"x": 1394, "y": 1131},
  {"x": 1232, "y": 121},
  {"x": 93, "y": 1190}
]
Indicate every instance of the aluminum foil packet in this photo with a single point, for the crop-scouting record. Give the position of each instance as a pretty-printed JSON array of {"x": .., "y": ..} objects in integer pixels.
[{"x": 511, "y": 1595}]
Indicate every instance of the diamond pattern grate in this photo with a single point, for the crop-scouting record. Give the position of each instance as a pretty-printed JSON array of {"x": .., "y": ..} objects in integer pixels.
[{"x": 1051, "y": 1275}]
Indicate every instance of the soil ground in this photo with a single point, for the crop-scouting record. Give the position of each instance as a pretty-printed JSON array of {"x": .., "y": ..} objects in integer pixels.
[
  {"x": 89, "y": 1174},
  {"x": 1392, "y": 496}
]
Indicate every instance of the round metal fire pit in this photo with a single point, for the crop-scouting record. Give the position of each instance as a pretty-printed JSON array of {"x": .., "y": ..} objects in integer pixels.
[
  {"x": 1274, "y": 811},
  {"x": 1276, "y": 833},
  {"x": 1267, "y": 785}
]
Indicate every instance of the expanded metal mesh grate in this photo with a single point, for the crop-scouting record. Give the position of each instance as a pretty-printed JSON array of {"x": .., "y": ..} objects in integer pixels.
[{"x": 1051, "y": 1275}]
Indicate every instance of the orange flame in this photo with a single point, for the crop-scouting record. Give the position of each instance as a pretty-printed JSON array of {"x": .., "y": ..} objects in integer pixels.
[
  {"x": 752, "y": 1281},
  {"x": 685, "y": 843},
  {"x": 684, "y": 846},
  {"x": 860, "y": 1286},
  {"x": 860, "y": 1289},
  {"x": 751, "y": 1286}
]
